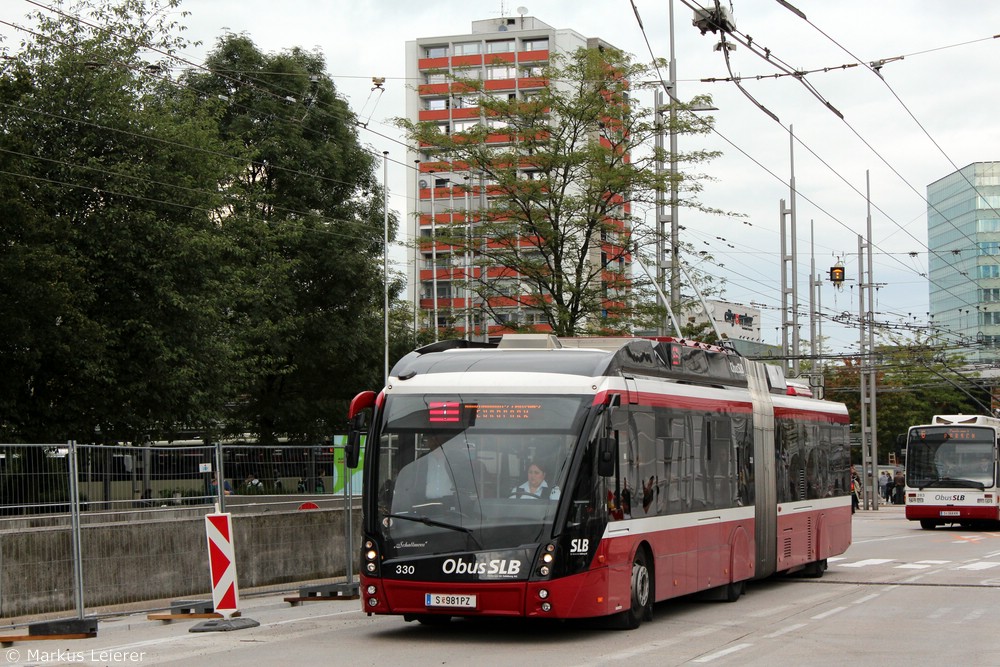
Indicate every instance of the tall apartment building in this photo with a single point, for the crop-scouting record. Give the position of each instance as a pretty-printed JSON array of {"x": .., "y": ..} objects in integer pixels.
[
  {"x": 507, "y": 55},
  {"x": 963, "y": 231}
]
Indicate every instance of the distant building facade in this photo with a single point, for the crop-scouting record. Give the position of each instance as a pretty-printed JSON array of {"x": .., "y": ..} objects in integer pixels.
[
  {"x": 963, "y": 236},
  {"x": 507, "y": 55}
]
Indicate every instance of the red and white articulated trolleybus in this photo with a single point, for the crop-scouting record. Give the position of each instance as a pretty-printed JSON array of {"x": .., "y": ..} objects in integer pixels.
[
  {"x": 951, "y": 472},
  {"x": 572, "y": 478}
]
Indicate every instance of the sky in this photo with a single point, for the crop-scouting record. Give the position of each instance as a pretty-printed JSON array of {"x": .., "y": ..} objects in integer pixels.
[{"x": 930, "y": 112}]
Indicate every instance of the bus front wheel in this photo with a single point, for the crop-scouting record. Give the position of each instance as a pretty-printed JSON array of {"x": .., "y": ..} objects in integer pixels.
[{"x": 641, "y": 608}]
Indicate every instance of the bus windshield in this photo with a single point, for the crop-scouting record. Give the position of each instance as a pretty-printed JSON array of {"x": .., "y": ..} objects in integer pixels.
[
  {"x": 472, "y": 472},
  {"x": 951, "y": 456}
]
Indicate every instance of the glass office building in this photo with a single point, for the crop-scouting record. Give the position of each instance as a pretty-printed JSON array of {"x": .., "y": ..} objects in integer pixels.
[{"x": 963, "y": 230}]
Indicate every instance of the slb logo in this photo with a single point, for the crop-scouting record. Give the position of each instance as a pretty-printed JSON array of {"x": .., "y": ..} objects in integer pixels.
[{"x": 579, "y": 546}]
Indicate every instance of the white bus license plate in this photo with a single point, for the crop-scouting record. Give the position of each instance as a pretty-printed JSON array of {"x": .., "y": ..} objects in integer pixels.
[
  {"x": 949, "y": 513},
  {"x": 449, "y": 600}
]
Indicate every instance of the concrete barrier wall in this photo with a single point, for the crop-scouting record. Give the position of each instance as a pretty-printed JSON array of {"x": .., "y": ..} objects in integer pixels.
[{"x": 146, "y": 560}]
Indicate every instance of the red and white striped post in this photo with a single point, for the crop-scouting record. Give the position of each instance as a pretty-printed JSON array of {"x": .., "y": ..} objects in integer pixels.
[{"x": 222, "y": 563}]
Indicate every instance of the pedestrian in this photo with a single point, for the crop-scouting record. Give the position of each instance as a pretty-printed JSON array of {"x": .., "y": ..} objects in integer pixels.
[
  {"x": 253, "y": 484},
  {"x": 213, "y": 487},
  {"x": 898, "y": 483},
  {"x": 883, "y": 483},
  {"x": 855, "y": 491}
]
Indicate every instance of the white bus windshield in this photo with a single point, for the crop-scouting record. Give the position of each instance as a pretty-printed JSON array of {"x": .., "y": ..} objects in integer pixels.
[
  {"x": 473, "y": 471},
  {"x": 957, "y": 456}
]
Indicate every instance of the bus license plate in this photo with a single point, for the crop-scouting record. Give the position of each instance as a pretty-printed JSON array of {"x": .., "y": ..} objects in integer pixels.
[
  {"x": 950, "y": 513},
  {"x": 449, "y": 600}
]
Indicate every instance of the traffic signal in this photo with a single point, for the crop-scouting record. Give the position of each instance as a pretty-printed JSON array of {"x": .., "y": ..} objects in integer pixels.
[{"x": 837, "y": 274}]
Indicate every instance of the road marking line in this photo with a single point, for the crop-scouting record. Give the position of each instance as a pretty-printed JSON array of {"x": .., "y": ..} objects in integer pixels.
[
  {"x": 825, "y": 614},
  {"x": 981, "y": 565},
  {"x": 866, "y": 598},
  {"x": 720, "y": 654},
  {"x": 943, "y": 611},
  {"x": 867, "y": 562},
  {"x": 646, "y": 648},
  {"x": 769, "y": 612},
  {"x": 785, "y": 630}
]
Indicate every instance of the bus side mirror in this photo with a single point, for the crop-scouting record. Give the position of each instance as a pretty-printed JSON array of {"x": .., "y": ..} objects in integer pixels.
[
  {"x": 901, "y": 447},
  {"x": 353, "y": 450},
  {"x": 356, "y": 426},
  {"x": 606, "y": 457}
]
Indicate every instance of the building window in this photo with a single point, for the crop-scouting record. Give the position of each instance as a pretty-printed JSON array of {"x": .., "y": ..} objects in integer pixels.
[
  {"x": 500, "y": 46},
  {"x": 468, "y": 48},
  {"x": 465, "y": 102},
  {"x": 436, "y": 51},
  {"x": 437, "y": 104},
  {"x": 537, "y": 44},
  {"x": 437, "y": 77},
  {"x": 988, "y": 271},
  {"x": 531, "y": 70},
  {"x": 989, "y": 295},
  {"x": 500, "y": 72},
  {"x": 989, "y": 248},
  {"x": 472, "y": 73},
  {"x": 988, "y": 225},
  {"x": 465, "y": 125}
]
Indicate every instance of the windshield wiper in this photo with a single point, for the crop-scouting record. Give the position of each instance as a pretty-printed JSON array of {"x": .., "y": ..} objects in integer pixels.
[
  {"x": 427, "y": 521},
  {"x": 948, "y": 481}
]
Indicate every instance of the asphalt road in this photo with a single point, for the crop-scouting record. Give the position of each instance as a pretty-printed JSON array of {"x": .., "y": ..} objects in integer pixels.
[{"x": 899, "y": 595}]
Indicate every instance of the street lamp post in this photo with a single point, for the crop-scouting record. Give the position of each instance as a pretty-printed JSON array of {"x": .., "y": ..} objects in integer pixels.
[
  {"x": 675, "y": 246},
  {"x": 385, "y": 259}
]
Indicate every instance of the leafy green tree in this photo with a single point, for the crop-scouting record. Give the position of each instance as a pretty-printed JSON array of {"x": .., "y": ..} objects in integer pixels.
[
  {"x": 305, "y": 220},
  {"x": 109, "y": 241},
  {"x": 915, "y": 380},
  {"x": 565, "y": 177}
]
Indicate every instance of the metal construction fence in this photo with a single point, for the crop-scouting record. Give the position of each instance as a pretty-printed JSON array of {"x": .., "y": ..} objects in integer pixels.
[{"x": 96, "y": 527}]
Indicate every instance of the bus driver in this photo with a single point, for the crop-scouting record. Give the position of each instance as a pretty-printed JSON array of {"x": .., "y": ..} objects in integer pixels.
[{"x": 536, "y": 486}]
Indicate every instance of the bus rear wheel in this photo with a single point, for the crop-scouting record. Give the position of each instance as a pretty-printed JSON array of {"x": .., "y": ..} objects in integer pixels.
[{"x": 927, "y": 524}]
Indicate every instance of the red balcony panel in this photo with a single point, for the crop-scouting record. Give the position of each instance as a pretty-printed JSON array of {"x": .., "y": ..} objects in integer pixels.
[
  {"x": 459, "y": 114},
  {"x": 533, "y": 82},
  {"x": 459, "y": 88},
  {"x": 434, "y": 88},
  {"x": 496, "y": 272},
  {"x": 501, "y": 84},
  {"x": 435, "y": 166},
  {"x": 465, "y": 61},
  {"x": 497, "y": 58},
  {"x": 531, "y": 56},
  {"x": 433, "y": 114},
  {"x": 433, "y": 63}
]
